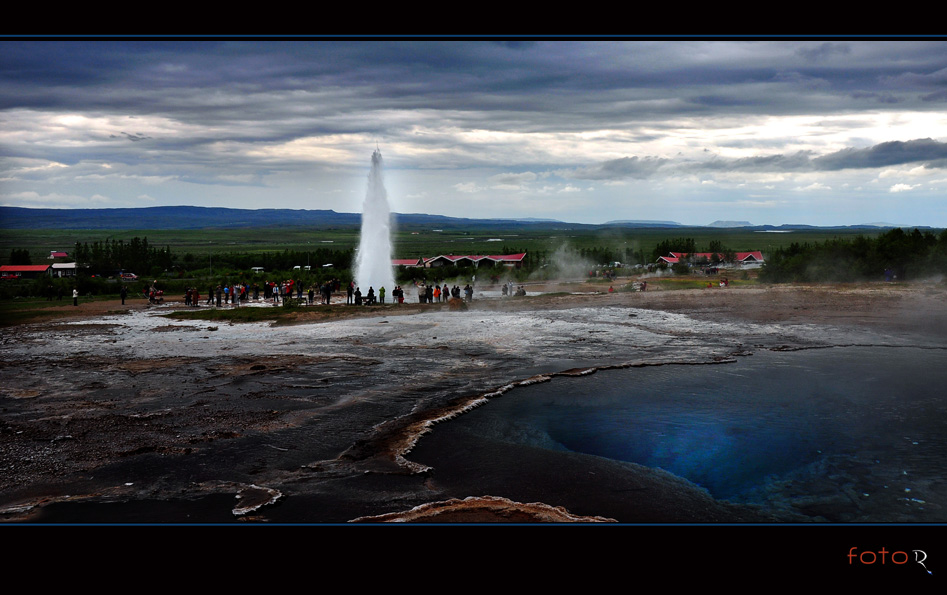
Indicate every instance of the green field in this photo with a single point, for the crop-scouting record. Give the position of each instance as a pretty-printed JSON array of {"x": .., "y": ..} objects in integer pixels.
[{"x": 410, "y": 242}]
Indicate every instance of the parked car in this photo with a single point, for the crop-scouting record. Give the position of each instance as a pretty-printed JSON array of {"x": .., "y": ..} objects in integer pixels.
[{"x": 129, "y": 277}]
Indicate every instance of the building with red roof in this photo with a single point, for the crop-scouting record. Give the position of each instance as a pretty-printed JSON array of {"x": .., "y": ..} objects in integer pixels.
[
  {"x": 508, "y": 260},
  {"x": 24, "y": 271},
  {"x": 745, "y": 260}
]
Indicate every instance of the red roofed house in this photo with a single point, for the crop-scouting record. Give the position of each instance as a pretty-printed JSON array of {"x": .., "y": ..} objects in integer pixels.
[
  {"x": 746, "y": 260},
  {"x": 449, "y": 259},
  {"x": 24, "y": 271},
  {"x": 407, "y": 262},
  {"x": 508, "y": 260},
  {"x": 750, "y": 259}
]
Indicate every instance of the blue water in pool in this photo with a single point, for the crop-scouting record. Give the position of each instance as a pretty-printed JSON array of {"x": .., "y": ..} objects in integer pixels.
[{"x": 733, "y": 428}]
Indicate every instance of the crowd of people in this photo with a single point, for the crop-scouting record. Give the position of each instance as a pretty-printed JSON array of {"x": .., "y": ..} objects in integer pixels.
[
  {"x": 508, "y": 290},
  {"x": 235, "y": 294},
  {"x": 433, "y": 294}
]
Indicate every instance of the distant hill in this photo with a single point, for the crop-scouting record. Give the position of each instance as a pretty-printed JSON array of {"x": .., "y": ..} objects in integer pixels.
[
  {"x": 803, "y": 227},
  {"x": 643, "y": 223},
  {"x": 731, "y": 224},
  {"x": 186, "y": 217},
  {"x": 166, "y": 218},
  {"x": 885, "y": 225}
]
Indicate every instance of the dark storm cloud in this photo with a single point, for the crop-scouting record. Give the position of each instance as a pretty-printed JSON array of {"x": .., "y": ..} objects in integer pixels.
[
  {"x": 824, "y": 51},
  {"x": 799, "y": 161},
  {"x": 927, "y": 152},
  {"x": 624, "y": 81},
  {"x": 924, "y": 151},
  {"x": 131, "y": 137},
  {"x": 46, "y": 74},
  {"x": 620, "y": 169},
  {"x": 222, "y": 103},
  {"x": 938, "y": 97},
  {"x": 531, "y": 86},
  {"x": 283, "y": 90}
]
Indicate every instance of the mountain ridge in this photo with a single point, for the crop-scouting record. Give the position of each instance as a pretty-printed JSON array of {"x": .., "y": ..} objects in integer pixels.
[{"x": 191, "y": 217}]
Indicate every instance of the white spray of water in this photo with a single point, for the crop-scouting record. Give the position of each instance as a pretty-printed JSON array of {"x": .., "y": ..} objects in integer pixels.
[{"x": 373, "y": 262}]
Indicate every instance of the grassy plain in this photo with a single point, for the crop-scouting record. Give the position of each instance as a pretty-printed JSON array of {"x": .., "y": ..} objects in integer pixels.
[{"x": 411, "y": 242}]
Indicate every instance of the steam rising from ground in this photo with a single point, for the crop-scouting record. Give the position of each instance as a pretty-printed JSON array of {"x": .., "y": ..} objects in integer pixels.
[
  {"x": 373, "y": 262},
  {"x": 565, "y": 263},
  {"x": 656, "y": 273}
]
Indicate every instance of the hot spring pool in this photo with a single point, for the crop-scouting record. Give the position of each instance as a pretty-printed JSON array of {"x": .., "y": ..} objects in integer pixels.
[{"x": 868, "y": 420}]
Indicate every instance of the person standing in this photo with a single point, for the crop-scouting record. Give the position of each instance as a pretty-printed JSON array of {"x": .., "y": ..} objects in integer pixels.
[
  {"x": 381, "y": 294},
  {"x": 124, "y": 294},
  {"x": 75, "y": 296}
]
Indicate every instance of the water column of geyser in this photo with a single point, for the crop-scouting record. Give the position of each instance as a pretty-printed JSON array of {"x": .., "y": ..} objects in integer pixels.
[{"x": 373, "y": 262}]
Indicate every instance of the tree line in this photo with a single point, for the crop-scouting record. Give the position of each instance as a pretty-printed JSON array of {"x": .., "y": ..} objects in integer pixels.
[
  {"x": 893, "y": 255},
  {"x": 273, "y": 261},
  {"x": 20, "y": 257},
  {"x": 110, "y": 256}
]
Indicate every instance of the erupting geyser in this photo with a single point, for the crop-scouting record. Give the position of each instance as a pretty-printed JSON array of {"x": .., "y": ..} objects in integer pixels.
[{"x": 373, "y": 262}]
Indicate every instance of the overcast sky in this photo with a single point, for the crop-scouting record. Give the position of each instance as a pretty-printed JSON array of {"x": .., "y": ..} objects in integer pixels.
[{"x": 825, "y": 132}]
